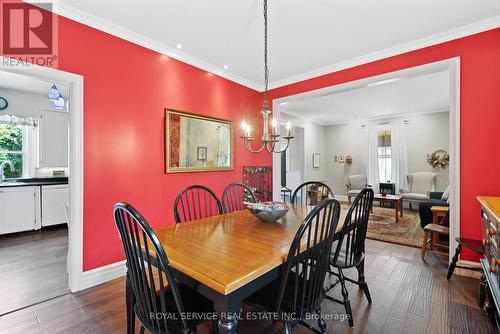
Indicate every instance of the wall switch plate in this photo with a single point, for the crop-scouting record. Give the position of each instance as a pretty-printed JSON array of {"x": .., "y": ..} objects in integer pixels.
[
  {"x": 58, "y": 173},
  {"x": 335, "y": 158}
]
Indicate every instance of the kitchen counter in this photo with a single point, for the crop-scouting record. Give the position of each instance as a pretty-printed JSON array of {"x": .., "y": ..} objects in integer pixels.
[{"x": 34, "y": 182}]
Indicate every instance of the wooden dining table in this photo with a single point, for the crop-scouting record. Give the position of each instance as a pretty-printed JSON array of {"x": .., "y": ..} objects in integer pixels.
[{"x": 228, "y": 257}]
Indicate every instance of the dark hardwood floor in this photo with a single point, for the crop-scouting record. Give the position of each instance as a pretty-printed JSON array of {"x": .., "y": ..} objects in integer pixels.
[
  {"x": 409, "y": 296},
  {"x": 32, "y": 267}
]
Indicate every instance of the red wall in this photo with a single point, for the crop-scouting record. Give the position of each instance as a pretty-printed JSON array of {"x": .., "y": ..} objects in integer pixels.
[
  {"x": 480, "y": 111},
  {"x": 126, "y": 88}
]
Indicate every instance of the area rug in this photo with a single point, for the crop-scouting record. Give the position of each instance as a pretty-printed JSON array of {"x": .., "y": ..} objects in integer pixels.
[{"x": 382, "y": 226}]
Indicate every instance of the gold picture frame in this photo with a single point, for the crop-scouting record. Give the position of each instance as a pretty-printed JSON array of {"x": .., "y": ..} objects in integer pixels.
[{"x": 189, "y": 137}]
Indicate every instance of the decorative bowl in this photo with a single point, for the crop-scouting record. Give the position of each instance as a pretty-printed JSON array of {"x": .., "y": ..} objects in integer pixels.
[{"x": 268, "y": 212}]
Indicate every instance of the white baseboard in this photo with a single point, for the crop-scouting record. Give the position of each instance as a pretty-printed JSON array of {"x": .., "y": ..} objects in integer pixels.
[{"x": 102, "y": 274}]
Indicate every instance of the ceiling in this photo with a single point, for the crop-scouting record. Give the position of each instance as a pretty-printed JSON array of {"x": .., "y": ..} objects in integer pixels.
[
  {"x": 29, "y": 84},
  {"x": 306, "y": 38},
  {"x": 381, "y": 99}
]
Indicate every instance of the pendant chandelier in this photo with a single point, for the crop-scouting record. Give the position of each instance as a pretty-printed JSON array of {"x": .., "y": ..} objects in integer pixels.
[{"x": 269, "y": 140}]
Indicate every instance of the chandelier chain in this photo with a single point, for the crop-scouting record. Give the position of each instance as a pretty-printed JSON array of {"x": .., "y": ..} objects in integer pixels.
[
  {"x": 266, "y": 68},
  {"x": 269, "y": 140}
]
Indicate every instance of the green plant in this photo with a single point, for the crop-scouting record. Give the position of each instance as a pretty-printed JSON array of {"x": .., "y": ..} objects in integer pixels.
[{"x": 11, "y": 147}]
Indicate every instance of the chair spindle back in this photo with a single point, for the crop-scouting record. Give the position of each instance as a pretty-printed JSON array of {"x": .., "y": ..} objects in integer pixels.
[{"x": 196, "y": 202}]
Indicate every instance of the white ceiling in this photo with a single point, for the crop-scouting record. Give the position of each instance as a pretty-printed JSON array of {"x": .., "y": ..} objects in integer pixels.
[
  {"x": 306, "y": 38},
  {"x": 29, "y": 84},
  {"x": 424, "y": 93}
]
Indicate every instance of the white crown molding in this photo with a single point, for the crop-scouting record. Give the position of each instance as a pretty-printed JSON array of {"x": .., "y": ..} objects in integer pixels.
[
  {"x": 364, "y": 119},
  {"x": 93, "y": 21},
  {"x": 96, "y": 22},
  {"x": 387, "y": 117},
  {"x": 467, "y": 30},
  {"x": 305, "y": 118}
]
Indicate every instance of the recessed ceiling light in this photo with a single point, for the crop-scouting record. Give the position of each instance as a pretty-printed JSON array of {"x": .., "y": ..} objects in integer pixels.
[
  {"x": 321, "y": 116},
  {"x": 179, "y": 46},
  {"x": 226, "y": 67},
  {"x": 283, "y": 103},
  {"x": 355, "y": 116}
]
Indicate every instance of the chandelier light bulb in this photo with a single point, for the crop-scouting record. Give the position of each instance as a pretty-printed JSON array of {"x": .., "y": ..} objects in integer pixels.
[
  {"x": 288, "y": 127},
  {"x": 269, "y": 140}
]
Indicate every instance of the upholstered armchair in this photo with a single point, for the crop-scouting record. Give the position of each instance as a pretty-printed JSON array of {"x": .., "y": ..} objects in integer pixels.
[
  {"x": 355, "y": 183},
  {"x": 420, "y": 184}
]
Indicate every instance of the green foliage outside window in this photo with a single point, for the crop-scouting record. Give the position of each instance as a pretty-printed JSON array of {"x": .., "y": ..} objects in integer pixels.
[{"x": 11, "y": 148}]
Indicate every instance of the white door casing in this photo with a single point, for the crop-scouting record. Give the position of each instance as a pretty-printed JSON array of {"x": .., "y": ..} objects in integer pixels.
[{"x": 451, "y": 65}]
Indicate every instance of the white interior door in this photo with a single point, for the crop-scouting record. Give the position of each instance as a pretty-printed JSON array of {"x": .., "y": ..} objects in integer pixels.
[{"x": 295, "y": 159}]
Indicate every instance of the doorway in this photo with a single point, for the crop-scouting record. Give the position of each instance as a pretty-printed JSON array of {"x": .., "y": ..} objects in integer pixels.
[
  {"x": 452, "y": 69},
  {"x": 34, "y": 190},
  {"x": 76, "y": 278},
  {"x": 292, "y": 167}
]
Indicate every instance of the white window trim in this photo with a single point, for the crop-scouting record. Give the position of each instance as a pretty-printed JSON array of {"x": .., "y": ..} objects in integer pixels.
[
  {"x": 30, "y": 151},
  {"x": 21, "y": 153}
]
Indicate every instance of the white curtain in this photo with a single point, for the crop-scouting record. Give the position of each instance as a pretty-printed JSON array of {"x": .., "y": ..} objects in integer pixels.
[
  {"x": 22, "y": 121},
  {"x": 30, "y": 150},
  {"x": 370, "y": 156},
  {"x": 399, "y": 168}
]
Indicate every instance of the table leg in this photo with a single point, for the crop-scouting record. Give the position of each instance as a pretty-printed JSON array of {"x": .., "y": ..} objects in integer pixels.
[
  {"x": 228, "y": 308},
  {"x": 396, "y": 206},
  {"x": 435, "y": 238},
  {"x": 401, "y": 207},
  {"x": 424, "y": 246}
]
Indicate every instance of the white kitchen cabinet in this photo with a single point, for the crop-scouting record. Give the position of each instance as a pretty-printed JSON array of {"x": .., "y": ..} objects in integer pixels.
[
  {"x": 54, "y": 140},
  {"x": 18, "y": 209},
  {"x": 53, "y": 201}
]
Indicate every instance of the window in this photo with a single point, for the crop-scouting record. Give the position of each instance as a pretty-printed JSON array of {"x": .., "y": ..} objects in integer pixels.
[
  {"x": 384, "y": 155},
  {"x": 11, "y": 149}
]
